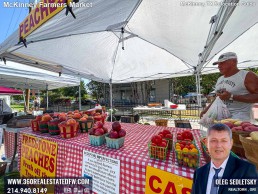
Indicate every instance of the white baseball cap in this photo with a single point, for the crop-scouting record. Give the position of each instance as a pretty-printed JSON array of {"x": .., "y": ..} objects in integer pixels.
[{"x": 225, "y": 57}]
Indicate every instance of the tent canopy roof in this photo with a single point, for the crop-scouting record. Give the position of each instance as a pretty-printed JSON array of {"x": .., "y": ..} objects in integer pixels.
[
  {"x": 9, "y": 91},
  {"x": 132, "y": 40}
]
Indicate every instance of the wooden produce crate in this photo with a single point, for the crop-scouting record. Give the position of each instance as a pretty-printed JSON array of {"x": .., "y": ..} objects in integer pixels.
[
  {"x": 237, "y": 147},
  {"x": 251, "y": 149},
  {"x": 161, "y": 122}
]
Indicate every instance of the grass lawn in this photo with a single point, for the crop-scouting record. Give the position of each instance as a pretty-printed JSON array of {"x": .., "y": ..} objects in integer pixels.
[{"x": 17, "y": 107}]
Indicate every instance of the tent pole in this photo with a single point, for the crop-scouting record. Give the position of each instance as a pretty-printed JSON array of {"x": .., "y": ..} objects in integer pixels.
[
  {"x": 200, "y": 99},
  {"x": 80, "y": 100},
  {"x": 111, "y": 105},
  {"x": 27, "y": 99},
  {"x": 39, "y": 98},
  {"x": 24, "y": 105},
  {"x": 198, "y": 91},
  {"x": 47, "y": 95}
]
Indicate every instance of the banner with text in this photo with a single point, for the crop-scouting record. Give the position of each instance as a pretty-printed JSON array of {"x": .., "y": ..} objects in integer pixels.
[
  {"x": 38, "y": 157},
  {"x": 43, "y": 11},
  {"x": 160, "y": 181},
  {"x": 105, "y": 172}
]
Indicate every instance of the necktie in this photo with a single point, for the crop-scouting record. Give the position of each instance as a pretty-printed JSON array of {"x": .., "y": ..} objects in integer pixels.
[{"x": 214, "y": 188}]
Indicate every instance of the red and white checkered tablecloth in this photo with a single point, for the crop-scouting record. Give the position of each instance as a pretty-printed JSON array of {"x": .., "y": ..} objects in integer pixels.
[
  {"x": 133, "y": 155},
  {"x": 9, "y": 139}
]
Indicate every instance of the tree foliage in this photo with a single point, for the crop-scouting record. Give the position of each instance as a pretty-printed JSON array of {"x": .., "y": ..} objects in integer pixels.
[
  {"x": 208, "y": 82},
  {"x": 97, "y": 89},
  {"x": 184, "y": 85},
  {"x": 74, "y": 91},
  {"x": 68, "y": 92}
]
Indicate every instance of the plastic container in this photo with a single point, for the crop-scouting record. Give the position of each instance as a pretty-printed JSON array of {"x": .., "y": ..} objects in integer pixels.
[
  {"x": 188, "y": 158},
  {"x": 205, "y": 151},
  {"x": 173, "y": 106},
  {"x": 184, "y": 140},
  {"x": 115, "y": 143},
  {"x": 157, "y": 152},
  {"x": 97, "y": 140},
  {"x": 170, "y": 143}
]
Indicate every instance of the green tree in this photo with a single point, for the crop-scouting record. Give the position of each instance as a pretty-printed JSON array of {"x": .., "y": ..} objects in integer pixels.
[
  {"x": 73, "y": 91},
  {"x": 67, "y": 92},
  {"x": 255, "y": 70},
  {"x": 208, "y": 82},
  {"x": 97, "y": 89},
  {"x": 183, "y": 85}
]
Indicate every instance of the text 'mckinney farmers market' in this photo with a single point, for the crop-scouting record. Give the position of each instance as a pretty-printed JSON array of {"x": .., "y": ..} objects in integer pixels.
[{"x": 17, "y": 4}]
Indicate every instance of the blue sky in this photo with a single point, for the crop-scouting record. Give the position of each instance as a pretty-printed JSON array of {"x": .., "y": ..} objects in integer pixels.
[{"x": 10, "y": 18}]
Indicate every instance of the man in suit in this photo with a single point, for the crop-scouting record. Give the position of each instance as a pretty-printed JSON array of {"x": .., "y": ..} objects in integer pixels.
[{"x": 223, "y": 164}]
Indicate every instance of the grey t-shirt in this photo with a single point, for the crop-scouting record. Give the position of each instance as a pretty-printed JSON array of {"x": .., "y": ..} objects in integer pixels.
[{"x": 235, "y": 84}]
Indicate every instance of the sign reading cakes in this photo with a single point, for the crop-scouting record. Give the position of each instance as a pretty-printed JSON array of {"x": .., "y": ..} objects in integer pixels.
[
  {"x": 38, "y": 157},
  {"x": 160, "y": 181},
  {"x": 43, "y": 11}
]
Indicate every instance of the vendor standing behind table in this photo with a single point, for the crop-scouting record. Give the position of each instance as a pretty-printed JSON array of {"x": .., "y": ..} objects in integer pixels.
[{"x": 237, "y": 88}]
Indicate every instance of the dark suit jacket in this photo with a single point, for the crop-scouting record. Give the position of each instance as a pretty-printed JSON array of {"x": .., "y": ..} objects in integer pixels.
[{"x": 235, "y": 169}]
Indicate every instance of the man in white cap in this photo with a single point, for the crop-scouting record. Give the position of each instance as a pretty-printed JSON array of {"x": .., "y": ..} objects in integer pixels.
[{"x": 238, "y": 88}]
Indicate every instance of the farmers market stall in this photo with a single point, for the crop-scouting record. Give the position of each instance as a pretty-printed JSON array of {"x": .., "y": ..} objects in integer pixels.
[
  {"x": 136, "y": 167},
  {"x": 173, "y": 111}
]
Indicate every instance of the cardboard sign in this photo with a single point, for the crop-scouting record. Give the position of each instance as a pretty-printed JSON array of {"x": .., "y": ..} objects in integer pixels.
[
  {"x": 38, "y": 157},
  {"x": 159, "y": 181}
]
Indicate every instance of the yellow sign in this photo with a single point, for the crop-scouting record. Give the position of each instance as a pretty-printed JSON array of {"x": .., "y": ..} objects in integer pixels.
[
  {"x": 159, "y": 181},
  {"x": 43, "y": 11},
  {"x": 38, "y": 157}
]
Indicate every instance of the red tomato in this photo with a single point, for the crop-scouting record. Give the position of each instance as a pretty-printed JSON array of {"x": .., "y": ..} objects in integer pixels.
[
  {"x": 169, "y": 136},
  {"x": 166, "y": 131},
  {"x": 163, "y": 144}
]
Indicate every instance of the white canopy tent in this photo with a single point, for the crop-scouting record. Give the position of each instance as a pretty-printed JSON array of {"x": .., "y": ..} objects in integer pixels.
[
  {"x": 132, "y": 40},
  {"x": 20, "y": 76}
]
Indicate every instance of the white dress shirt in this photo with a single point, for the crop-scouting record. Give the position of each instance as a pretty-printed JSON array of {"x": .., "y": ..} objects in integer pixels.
[{"x": 212, "y": 173}]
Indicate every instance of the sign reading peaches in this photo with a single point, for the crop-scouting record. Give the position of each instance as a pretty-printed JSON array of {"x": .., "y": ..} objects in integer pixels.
[
  {"x": 159, "y": 181},
  {"x": 38, "y": 157},
  {"x": 44, "y": 10}
]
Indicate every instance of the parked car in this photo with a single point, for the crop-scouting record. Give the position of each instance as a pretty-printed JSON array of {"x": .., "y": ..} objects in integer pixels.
[{"x": 88, "y": 102}]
